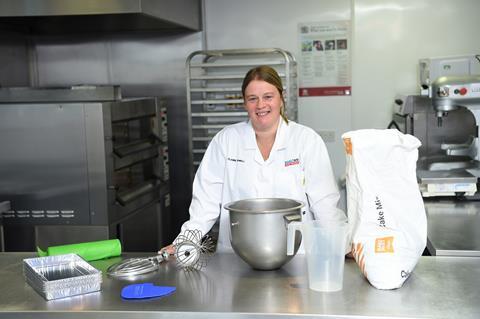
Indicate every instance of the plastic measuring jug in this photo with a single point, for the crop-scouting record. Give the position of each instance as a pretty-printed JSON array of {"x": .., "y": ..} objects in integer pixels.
[{"x": 324, "y": 243}]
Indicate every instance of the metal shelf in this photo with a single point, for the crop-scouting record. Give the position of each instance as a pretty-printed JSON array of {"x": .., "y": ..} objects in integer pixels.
[
  {"x": 227, "y": 101},
  {"x": 219, "y": 114},
  {"x": 201, "y": 90},
  {"x": 221, "y": 90},
  {"x": 213, "y": 81},
  {"x": 202, "y": 138},
  {"x": 224, "y": 77},
  {"x": 208, "y": 126},
  {"x": 221, "y": 65}
]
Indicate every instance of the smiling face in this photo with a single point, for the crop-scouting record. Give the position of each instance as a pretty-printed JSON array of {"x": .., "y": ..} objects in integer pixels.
[{"x": 263, "y": 103}]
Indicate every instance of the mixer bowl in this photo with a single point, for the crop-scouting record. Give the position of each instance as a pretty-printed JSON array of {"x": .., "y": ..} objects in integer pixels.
[{"x": 258, "y": 230}]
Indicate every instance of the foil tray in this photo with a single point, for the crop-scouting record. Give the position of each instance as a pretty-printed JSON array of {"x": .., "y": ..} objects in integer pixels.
[{"x": 61, "y": 276}]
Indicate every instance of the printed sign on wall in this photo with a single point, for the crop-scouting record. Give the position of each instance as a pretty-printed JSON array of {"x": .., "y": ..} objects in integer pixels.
[{"x": 324, "y": 58}]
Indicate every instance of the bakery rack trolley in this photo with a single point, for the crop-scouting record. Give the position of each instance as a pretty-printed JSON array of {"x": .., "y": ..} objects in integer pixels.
[{"x": 214, "y": 97}]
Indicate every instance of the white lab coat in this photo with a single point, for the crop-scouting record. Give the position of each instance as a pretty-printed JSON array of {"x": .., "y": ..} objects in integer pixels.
[{"x": 233, "y": 169}]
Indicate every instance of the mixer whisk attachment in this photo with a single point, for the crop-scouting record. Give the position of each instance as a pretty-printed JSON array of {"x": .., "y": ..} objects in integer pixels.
[
  {"x": 136, "y": 266},
  {"x": 192, "y": 251}
]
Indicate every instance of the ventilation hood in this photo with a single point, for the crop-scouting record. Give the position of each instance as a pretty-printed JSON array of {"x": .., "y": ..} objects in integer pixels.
[{"x": 59, "y": 16}]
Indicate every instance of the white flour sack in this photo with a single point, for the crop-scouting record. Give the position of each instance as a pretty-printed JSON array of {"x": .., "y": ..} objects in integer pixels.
[{"x": 388, "y": 225}]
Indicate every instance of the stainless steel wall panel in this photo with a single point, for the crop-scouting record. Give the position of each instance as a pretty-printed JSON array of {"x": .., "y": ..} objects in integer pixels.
[{"x": 81, "y": 61}]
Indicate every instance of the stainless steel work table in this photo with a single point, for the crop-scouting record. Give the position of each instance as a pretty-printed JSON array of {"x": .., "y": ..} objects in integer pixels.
[
  {"x": 440, "y": 287},
  {"x": 453, "y": 227}
]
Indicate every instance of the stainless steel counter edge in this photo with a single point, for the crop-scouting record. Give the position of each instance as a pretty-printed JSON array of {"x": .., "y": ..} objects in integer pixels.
[{"x": 173, "y": 315}]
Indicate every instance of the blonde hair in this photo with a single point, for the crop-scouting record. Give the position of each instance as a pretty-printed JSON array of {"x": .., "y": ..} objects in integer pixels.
[{"x": 269, "y": 75}]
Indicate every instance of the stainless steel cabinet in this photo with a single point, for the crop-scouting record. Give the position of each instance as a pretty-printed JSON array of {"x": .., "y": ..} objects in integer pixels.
[
  {"x": 83, "y": 156},
  {"x": 214, "y": 96}
]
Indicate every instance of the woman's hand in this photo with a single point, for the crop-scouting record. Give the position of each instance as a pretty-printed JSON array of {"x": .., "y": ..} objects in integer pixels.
[{"x": 170, "y": 249}]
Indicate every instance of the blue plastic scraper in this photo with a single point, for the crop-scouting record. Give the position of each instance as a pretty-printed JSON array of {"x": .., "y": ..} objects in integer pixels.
[{"x": 146, "y": 290}]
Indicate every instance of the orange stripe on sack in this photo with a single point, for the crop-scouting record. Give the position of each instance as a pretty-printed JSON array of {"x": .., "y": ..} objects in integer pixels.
[
  {"x": 357, "y": 252},
  {"x": 348, "y": 145},
  {"x": 360, "y": 250},
  {"x": 362, "y": 264}
]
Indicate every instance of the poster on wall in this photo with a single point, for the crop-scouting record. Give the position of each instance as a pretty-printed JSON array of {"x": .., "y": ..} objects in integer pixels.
[{"x": 324, "y": 67}]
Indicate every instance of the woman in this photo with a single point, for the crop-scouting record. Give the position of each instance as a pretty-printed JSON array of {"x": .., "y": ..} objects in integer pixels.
[{"x": 266, "y": 156}]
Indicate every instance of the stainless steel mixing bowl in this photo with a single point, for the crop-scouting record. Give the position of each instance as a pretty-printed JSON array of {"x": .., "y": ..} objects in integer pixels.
[{"x": 259, "y": 230}]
